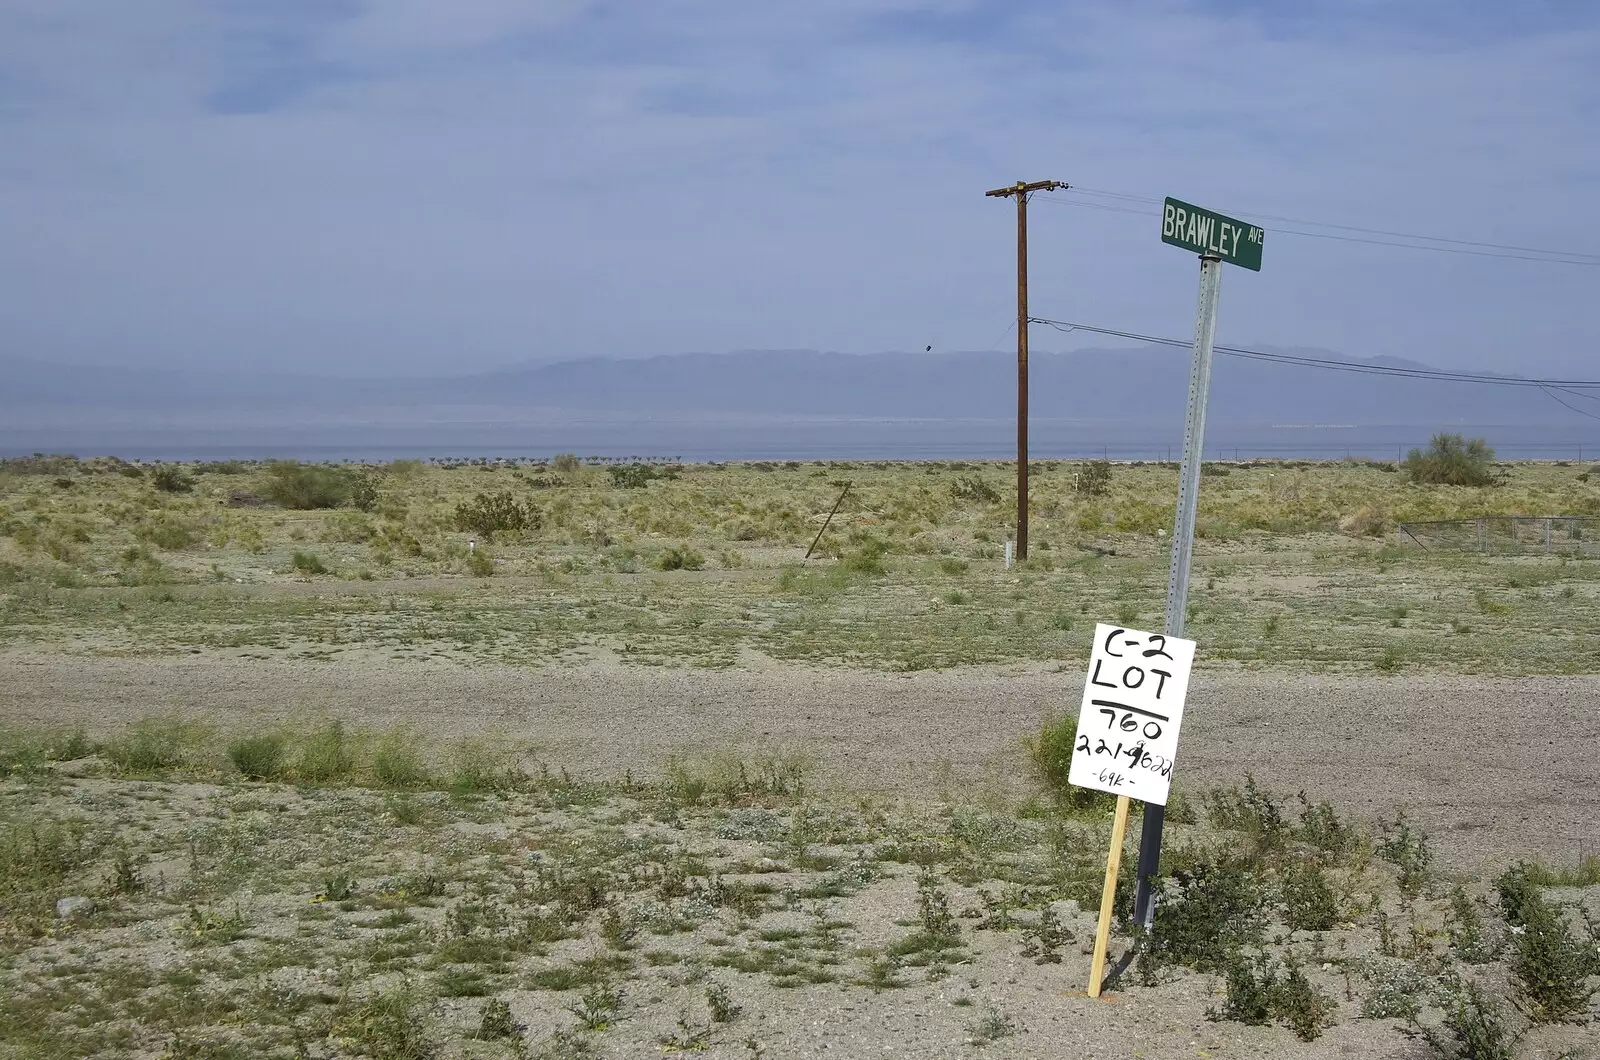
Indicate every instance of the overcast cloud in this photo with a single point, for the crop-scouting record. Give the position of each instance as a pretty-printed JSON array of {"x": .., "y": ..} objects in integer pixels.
[{"x": 370, "y": 186}]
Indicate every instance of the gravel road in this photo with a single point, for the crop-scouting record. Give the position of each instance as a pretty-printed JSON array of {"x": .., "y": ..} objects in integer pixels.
[{"x": 1493, "y": 768}]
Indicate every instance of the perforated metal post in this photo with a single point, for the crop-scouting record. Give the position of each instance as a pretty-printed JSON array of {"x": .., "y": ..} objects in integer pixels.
[{"x": 1194, "y": 431}]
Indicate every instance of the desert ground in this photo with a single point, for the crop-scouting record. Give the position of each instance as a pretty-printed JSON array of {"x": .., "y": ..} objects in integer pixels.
[{"x": 500, "y": 759}]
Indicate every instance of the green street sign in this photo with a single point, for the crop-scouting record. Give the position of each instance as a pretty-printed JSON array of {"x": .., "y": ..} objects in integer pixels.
[{"x": 1212, "y": 234}]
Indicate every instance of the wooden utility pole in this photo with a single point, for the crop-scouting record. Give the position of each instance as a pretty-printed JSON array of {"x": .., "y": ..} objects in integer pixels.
[{"x": 1020, "y": 191}]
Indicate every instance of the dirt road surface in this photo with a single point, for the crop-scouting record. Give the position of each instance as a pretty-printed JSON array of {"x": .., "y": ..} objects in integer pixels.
[{"x": 1494, "y": 769}]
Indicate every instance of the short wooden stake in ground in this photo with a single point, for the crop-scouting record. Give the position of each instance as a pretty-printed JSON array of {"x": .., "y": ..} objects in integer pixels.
[{"x": 1108, "y": 897}]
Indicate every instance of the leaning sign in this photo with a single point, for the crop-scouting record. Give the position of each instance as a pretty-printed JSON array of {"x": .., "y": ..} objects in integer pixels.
[
  {"x": 1127, "y": 739},
  {"x": 1212, "y": 234},
  {"x": 1132, "y": 709}
]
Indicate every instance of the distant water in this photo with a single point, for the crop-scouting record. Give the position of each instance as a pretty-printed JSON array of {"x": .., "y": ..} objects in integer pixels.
[{"x": 790, "y": 440}]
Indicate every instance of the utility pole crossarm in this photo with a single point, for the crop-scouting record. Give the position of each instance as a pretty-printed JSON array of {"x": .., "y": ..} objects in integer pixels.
[
  {"x": 1020, "y": 191},
  {"x": 1023, "y": 188}
]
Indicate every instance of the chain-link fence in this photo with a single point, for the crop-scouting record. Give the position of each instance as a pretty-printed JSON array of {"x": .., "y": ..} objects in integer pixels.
[{"x": 1525, "y": 535}]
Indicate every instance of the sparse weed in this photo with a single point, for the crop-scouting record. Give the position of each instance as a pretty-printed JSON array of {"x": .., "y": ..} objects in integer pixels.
[
  {"x": 1251, "y": 811},
  {"x": 391, "y": 1025},
  {"x": 881, "y": 972},
  {"x": 1394, "y": 989},
  {"x": 1046, "y": 937},
  {"x": 1407, "y": 849},
  {"x": 156, "y": 744},
  {"x": 397, "y": 760},
  {"x": 325, "y": 755},
  {"x": 1321, "y": 827},
  {"x": 1258, "y": 992},
  {"x": 259, "y": 757},
  {"x": 721, "y": 1003},
  {"x": 1468, "y": 940},
  {"x": 1474, "y": 1027},
  {"x": 992, "y": 1026},
  {"x": 599, "y": 1007},
  {"x": 495, "y": 1021}
]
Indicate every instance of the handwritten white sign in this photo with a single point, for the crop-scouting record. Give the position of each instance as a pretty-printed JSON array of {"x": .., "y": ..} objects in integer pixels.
[{"x": 1132, "y": 710}]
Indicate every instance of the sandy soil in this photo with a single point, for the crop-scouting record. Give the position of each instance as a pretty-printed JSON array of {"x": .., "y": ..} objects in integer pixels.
[{"x": 1493, "y": 768}]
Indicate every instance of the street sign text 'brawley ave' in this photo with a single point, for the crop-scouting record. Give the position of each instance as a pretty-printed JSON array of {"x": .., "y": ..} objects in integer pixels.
[{"x": 1212, "y": 234}]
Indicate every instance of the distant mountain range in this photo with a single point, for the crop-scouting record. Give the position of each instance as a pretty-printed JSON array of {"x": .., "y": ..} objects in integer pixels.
[{"x": 1145, "y": 385}]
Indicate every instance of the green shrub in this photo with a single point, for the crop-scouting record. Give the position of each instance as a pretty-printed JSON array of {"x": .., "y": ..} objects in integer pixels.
[
  {"x": 1093, "y": 478},
  {"x": 259, "y": 757},
  {"x": 169, "y": 478},
  {"x": 480, "y": 564},
  {"x": 1515, "y": 889},
  {"x": 868, "y": 560},
  {"x": 40, "y": 464},
  {"x": 221, "y": 467},
  {"x": 1050, "y": 754},
  {"x": 168, "y": 532},
  {"x": 1321, "y": 827},
  {"x": 1468, "y": 940},
  {"x": 488, "y": 514},
  {"x": 1550, "y": 965},
  {"x": 37, "y": 853},
  {"x": 1451, "y": 460},
  {"x": 1257, "y": 994},
  {"x": 631, "y": 476},
  {"x": 565, "y": 463},
  {"x": 1211, "y": 910},
  {"x": 681, "y": 557},
  {"x": 304, "y": 487},
  {"x": 27, "y": 752},
  {"x": 973, "y": 488},
  {"x": 1309, "y": 903},
  {"x": 1474, "y": 1027},
  {"x": 308, "y": 563}
]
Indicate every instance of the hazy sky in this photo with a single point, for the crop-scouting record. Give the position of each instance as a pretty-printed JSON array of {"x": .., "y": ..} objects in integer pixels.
[{"x": 409, "y": 185}]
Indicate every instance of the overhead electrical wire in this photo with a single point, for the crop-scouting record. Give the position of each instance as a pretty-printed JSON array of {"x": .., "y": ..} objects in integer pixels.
[
  {"x": 1549, "y": 392},
  {"x": 1356, "y": 228},
  {"x": 1571, "y": 386},
  {"x": 1439, "y": 244}
]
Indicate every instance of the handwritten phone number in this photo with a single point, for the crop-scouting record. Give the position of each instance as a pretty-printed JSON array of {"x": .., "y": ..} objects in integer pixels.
[{"x": 1137, "y": 756}]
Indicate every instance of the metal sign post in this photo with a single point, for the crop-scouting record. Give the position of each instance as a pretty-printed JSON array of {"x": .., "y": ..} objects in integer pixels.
[{"x": 1216, "y": 238}]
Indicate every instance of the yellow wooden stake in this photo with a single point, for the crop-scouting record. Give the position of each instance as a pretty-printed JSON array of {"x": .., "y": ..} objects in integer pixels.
[{"x": 1108, "y": 896}]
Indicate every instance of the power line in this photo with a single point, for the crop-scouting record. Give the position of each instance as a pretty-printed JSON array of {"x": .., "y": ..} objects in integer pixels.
[
  {"x": 1548, "y": 257},
  {"x": 1357, "y": 367},
  {"x": 1357, "y": 228},
  {"x": 1549, "y": 392}
]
